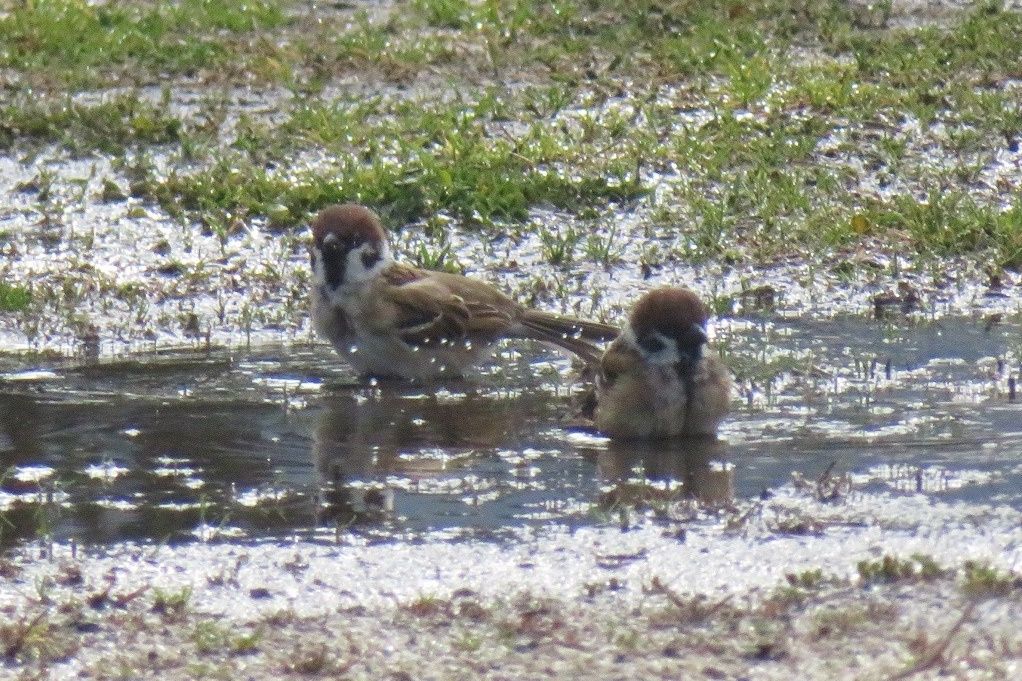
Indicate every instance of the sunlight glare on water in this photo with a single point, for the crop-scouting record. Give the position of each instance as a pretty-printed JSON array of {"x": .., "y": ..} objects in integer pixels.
[{"x": 284, "y": 442}]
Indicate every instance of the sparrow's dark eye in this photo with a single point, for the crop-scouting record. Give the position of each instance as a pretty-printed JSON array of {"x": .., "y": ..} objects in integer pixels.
[
  {"x": 370, "y": 258},
  {"x": 651, "y": 344},
  {"x": 693, "y": 340}
]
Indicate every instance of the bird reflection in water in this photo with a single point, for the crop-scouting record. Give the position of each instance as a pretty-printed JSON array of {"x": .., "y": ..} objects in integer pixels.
[
  {"x": 693, "y": 468},
  {"x": 362, "y": 438}
]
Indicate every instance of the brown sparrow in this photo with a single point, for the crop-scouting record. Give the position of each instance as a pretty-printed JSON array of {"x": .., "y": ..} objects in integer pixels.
[
  {"x": 390, "y": 319},
  {"x": 657, "y": 379}
]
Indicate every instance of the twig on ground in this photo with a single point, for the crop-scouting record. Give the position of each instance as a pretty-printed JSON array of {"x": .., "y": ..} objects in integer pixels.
[{"x": 936, "y": 652}]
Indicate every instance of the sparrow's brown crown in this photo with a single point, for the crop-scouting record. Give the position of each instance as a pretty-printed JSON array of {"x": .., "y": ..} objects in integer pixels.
[
  {"x": 670, "y": 311},
  {"x": 351, "y": 223}
]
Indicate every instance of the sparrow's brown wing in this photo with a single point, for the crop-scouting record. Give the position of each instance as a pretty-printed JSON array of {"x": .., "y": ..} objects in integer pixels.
[
  {"x": 615, "y": 362},
  {"x": 424, "y": 319},
  {"x": 491, "y": 313},
  {"x": 486, "y": 322},
  {"x": 426, "y": 312}
]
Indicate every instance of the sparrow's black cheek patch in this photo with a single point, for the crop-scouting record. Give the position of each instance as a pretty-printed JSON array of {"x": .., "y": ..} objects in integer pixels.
[
  {"x": 370, "y": 258},
  {"x": 588, "y": 407},
  {"x": 651, "y": 344},
  {"x": 333, "y": 266},
  {"x": 691, "y": 344}
]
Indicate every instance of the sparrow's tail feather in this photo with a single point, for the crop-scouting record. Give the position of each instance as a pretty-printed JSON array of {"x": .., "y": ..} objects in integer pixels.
[
  {"x": 571, "y": 327},
  {"x": 572, "y": 334}
]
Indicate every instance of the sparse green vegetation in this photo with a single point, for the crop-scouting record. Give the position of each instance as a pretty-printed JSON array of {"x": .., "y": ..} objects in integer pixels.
[
  {"x": 758, "y": 181},
  {"x": 171, "y": 603},
  {"x": 831, "y": 622},
  {"x": 34, "y": 638},
  {"x": 981, "y": 580},
  {"x": 110, "y": 126},
  {"x": 14, "y": 298},
  {"x": 212, "y": 638},
  {"x": 893, "y": 569},
  {"x": 950, "y": 222},
  {"x": 807, "y": 579},
  {"x": 80, "y": 43}
]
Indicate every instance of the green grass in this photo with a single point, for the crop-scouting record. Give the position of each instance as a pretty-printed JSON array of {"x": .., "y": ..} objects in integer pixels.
[
  {"x": 211, "y": 637},
  {"x": 109, "y": 126},
  {"x": 950, "y": 223},
  {"x": 35, "y": 639},
  {"x": 893, "y": 569},
  {"x": 409, "y": 159},
  {"x": 68, "y": 38},
  {"x": 597, "y": 117},
  {"x": 981, "y": 580},
  {"x": 14, "y": 298},
  {"x": 170, "y": 603}
]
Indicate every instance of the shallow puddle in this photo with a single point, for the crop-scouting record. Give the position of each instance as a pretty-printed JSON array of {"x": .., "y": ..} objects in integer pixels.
[{"x": 284, "y": 442}]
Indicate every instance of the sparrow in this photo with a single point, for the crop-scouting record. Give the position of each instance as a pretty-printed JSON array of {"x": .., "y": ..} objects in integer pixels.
[
  {"x": 390, "y": 319},
  {"x": 658, "y": 379}
]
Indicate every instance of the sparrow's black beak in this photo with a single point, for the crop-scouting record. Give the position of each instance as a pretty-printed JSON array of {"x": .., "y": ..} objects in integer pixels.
[
  {"x": 699, "y": 335},
  {"x": 690, "y": 347}
]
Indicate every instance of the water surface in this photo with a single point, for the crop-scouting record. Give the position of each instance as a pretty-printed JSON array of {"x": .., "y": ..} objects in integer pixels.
[{"x": 283, "y": 441}]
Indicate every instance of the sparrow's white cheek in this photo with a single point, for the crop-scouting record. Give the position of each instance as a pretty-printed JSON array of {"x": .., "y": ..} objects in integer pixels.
[
  {"x": 667, "y": 355},
  {"x": 355, "y": 269},
  {"x": 318, "y": 274},
  {"x": 628, "y": 336}
]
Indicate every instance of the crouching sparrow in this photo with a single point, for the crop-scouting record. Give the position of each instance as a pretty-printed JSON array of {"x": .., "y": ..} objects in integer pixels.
[{"x": 658, "y": 379}]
